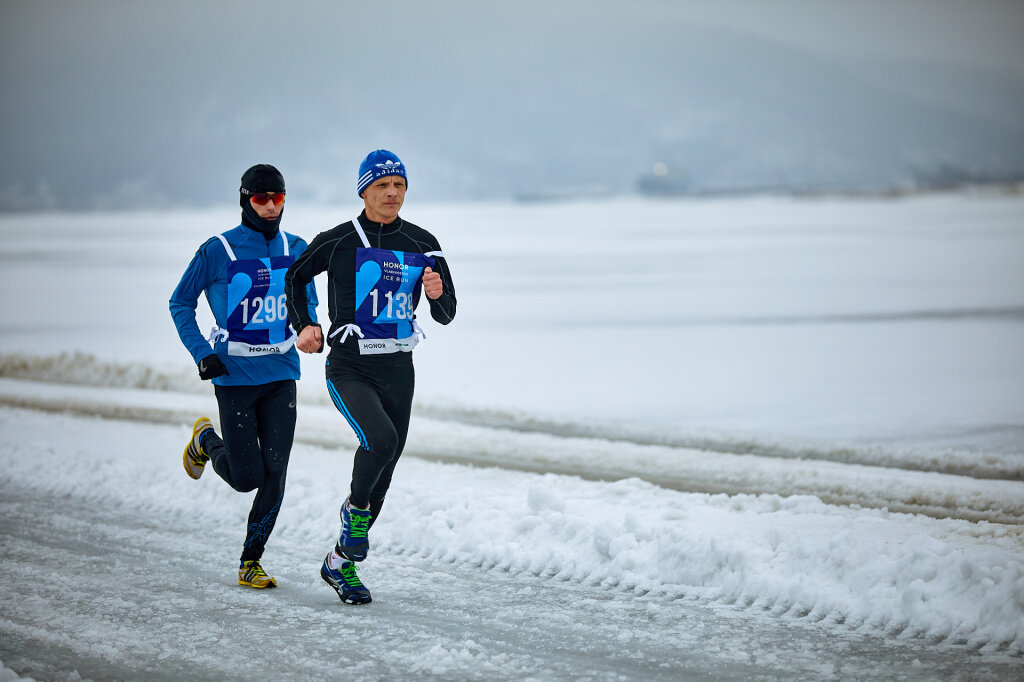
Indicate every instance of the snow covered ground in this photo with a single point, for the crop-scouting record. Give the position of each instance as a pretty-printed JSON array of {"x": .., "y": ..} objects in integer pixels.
[{"x": 761, "y": 438}]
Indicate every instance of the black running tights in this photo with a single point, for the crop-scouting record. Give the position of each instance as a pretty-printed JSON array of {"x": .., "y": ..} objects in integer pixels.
[
  {"x": 257, "y": 427},
  {"x": 376, "y": 402}
]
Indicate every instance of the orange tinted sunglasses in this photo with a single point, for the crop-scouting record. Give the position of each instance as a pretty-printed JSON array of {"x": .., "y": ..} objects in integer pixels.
[{"x": 262, "y": 198}]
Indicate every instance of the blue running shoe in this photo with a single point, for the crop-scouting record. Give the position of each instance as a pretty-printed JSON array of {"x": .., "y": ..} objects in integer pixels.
[
  {"x": 355, "y": 523},
  {"x": 345, "y": 582}
]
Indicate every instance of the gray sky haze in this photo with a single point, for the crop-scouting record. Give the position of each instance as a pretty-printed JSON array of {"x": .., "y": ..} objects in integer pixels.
[{"x": 114, "y": 103}]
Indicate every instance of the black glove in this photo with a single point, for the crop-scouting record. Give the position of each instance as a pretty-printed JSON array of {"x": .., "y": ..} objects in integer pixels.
[{"x": 211, "y": 366}]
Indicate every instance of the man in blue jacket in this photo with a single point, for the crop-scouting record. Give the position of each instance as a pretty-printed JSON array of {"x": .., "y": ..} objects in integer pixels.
[{"x": 252, "y": 364}]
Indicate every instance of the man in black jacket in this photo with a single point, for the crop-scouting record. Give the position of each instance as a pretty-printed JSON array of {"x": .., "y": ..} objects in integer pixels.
[{"x": 377, "y": 265}]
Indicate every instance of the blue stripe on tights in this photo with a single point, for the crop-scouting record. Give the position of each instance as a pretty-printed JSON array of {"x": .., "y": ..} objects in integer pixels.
[{"x": 340, "y": 404}]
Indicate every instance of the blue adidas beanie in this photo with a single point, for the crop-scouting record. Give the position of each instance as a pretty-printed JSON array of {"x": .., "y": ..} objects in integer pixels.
[{"x": 376, "y": 165}]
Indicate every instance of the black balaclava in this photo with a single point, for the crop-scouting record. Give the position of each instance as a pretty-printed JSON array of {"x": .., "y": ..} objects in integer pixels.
[{"x": 260, "y": 178}]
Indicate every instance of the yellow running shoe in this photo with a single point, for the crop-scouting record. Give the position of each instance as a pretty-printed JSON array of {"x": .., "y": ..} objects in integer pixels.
[
  {"x": 195, "y": 458},
  {"x": 250, "y": 573}
]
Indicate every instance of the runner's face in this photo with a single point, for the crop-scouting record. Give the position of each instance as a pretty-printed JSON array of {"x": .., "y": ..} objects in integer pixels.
[
  {"x": 267, "y": 211},
  {"x": 384, "y": 198}
]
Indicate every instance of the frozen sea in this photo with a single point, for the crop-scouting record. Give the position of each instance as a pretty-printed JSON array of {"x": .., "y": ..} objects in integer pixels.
[{"x": 730, "y": 438}]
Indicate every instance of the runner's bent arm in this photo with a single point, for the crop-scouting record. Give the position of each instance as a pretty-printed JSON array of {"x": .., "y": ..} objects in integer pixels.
[
  {"x": 442, "y": 309},
  {"x": 299, "y": 246},
  {"x": 184, "y": 300},
  {"x": 298, "y": 283}
]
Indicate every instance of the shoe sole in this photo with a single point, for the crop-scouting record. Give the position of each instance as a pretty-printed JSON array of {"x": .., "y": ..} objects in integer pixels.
[
  {"x": 185, "y": 461},
  {"x": 272, "y": 583},
  {"x": 195, "y": 471},
  {"x": 350, "y": 555}
]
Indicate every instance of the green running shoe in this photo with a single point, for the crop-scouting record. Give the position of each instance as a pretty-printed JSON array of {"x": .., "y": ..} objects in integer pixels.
[
  {"x": 345, "y": 582},
  {"x": 352, "y": 541}
]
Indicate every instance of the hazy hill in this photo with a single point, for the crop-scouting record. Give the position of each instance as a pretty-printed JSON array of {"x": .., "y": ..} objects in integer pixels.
[{"x": 124, "y": 105}]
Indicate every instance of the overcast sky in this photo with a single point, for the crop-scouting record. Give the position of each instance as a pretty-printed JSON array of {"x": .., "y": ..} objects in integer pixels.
[
  {"x": 119, "y": 101},
  {"x": 982, "y": 33}
]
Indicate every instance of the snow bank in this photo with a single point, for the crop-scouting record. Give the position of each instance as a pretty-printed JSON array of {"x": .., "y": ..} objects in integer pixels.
[
  {"x": 870, "y": 570},
  {"x": 8, "y": 675}
]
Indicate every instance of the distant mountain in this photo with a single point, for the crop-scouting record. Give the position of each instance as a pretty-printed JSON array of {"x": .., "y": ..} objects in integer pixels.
[{"x": 488, "y": 114}]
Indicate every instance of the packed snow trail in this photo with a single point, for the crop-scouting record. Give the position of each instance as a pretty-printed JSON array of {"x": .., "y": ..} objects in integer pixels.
[
  {"x": 476, "y": 574},
  {"x": 139, "y": 611}
]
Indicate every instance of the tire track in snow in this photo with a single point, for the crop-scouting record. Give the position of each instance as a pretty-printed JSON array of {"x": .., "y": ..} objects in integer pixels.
[
  {"x": 76, "y": 368},
  {"x": 684, "y": 469}
]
